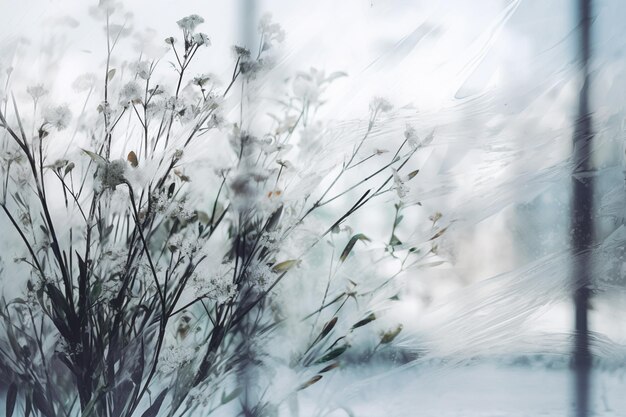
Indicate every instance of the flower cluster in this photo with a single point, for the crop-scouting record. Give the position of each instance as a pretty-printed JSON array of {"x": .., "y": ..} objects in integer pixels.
[{"x": 58, "y": 116}]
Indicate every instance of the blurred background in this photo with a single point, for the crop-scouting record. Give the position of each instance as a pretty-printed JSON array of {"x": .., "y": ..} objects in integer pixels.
[{"x": 500, "y": 83}]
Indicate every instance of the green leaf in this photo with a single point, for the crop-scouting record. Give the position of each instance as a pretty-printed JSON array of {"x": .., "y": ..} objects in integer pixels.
[
  {"x": 285, "y": 265},
  {"x": 138, "y": 371},
  {"x": 96, "y": 290},
  {"x": 41, "y": 403},
  {"x": 439, "y": 233},
  {"x": 153, "y": 410},
  {"x": 234, "y": 394},
  {"x": 68, "y": 168},
  {"x": 333, "y": 354},
  {"x": 110, "y": 74},
  {"x": 95, "y": 157},
  {"x": 59, "y": 303},
  {"x": 274, "y": 219},
  {"x": 350, "y": 245},
  {"x": 387, "y": 337},
  {"x": 309, "y": 382},
  {"x": 398, "y": 220},
  {"x": 327, "y": 328},
  {"x": 330, "y": 367},
  {"x": 11, "y": 398},
  {"x": 394, "y": 241},
  {"x": 28, "y": 407},
  {"x": 412, "y": 174},
  {"x": 371, "y": 317},
  {"x": 203, "y": 217}
]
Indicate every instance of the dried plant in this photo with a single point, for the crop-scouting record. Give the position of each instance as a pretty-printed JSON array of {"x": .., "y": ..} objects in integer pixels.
[{"x": 154, "y": 292}]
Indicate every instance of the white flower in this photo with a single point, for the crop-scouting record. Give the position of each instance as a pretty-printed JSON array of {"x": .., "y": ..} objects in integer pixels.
[
  {"x": 58, "y": 116},
  {"x": 201, "y": 80},
  {"x": 380, "y": 104},
  {"x": 241, "y": 52},
  {"x": 184, "y": 245},
  {"x": 118, "y": 31},
  {"x": 272, "y": 31},
  {"x": 261, "y": 275},
  {"x": 143, "y": 69},
  {"x": 190, "y": 22},
  {"x": 215, "y": 283},
  {"x": 411, "y": 137},
  {"x": 173, "y": 357},
  {"x": 201, "y": 39},
  {"x": 181, "y": 211},
  {"x": 131, "y": 92},
  {"x": 105, "y": 108},
  {"x": 272, "y": 240},
  {"x": 401, "y": 188},
  {"x": 111, "y": 174},
  {"x": 84, "y": 82},
  {"x": 36, "y": 91}
]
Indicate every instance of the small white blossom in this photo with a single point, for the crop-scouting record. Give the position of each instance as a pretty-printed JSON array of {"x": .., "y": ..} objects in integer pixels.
[
  {"x": 173, "y": 357},
  {"x": 36, "y": 91},
  {"x": 111, "y": 174},
  {"x": 131, "y": 92},
  {"x": 84, "y": 82},
  {"x": 271, "y": 31},
  {"x": 105, "y": 108},
  {"x": 181, "y": 211},
  {"x": 201, "y": 39},
  {"x": 380, "y": 104},
  {"x": 241, "y": 52},
  {"x": 272, "y": 240},
  {"x": 401, "y": 188},
  {"x": 190, "y": 22},
  {"x": 260, "y": 275},
  {"x": 215, "y": 284},
  {"x": 143, "y": 69},
  {"x": 411, "y": 137},
  {"x": 201, "y": 80},
  {"x": 58, "y": 116},
  {"x": 184, "y": 245}
]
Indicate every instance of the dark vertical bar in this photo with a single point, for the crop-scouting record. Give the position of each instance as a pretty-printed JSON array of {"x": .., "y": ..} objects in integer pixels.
[{"x": 582, "y": 220}]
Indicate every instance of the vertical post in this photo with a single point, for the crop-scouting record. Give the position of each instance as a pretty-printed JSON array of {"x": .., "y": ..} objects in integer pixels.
[
  {"x": 582, "y": 220},
  {"x": 247, "y": 375}
]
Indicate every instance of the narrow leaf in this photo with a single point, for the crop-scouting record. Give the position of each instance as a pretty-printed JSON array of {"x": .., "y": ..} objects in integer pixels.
[
  {"x": 350, "y": 245},
  {"x": 327, "y": 328},
  {"x": 285, "y": 265},
  {"x": 330, "y": 367},
  {"x": 95, "y": 157},
  {"x": 228, "y": 398},
  {"x": 40, "y": 402},
  {"x": 333, "y": 354},
  {"x": 11, "y": 397},
  {"x": 366, "y": 320},
  {"x": 153, "y": 410},
  {"x": 110, "y": 74},
  {"x": 69, "y": 167},
  {"x": 439, "y": 233},
  {"x": 310, "y": 382}
]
